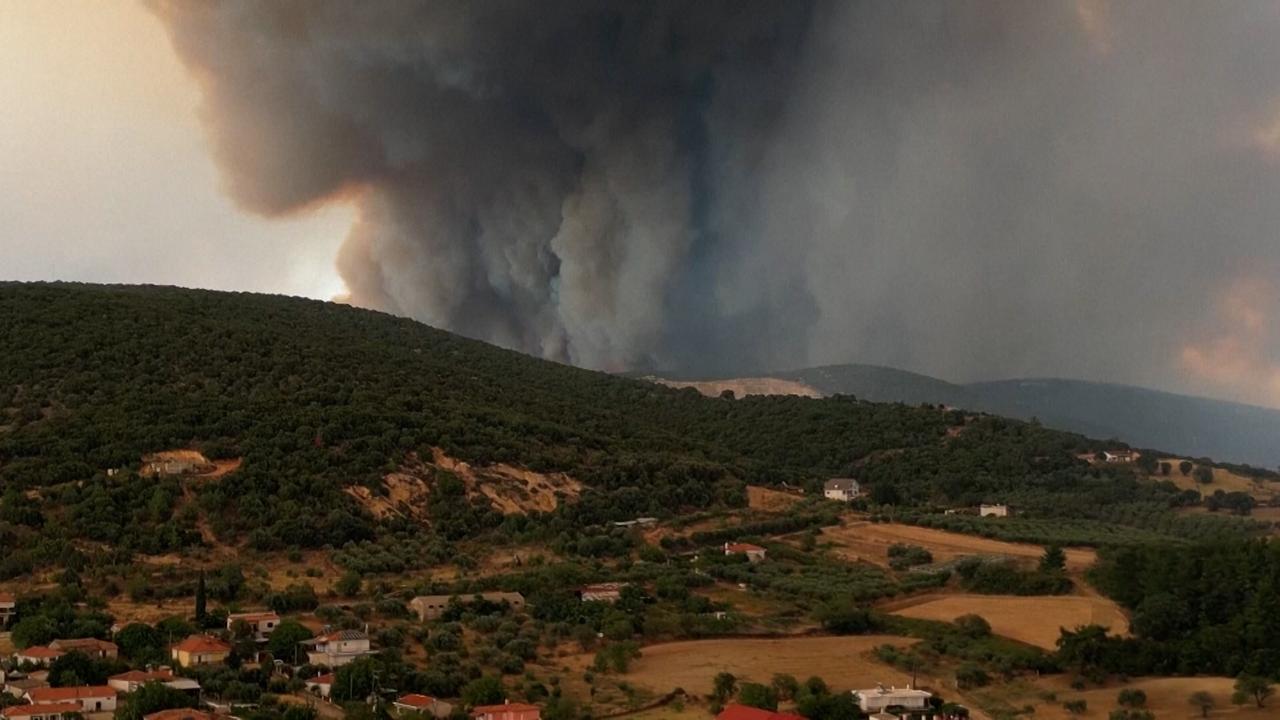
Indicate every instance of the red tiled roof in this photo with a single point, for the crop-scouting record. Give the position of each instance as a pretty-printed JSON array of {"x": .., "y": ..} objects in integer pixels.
[
  {"x": 29, "y": 710},
  {"x": 505, "y": 707},
  {"x": 7, "y": 597},
  {"x": 60, "y": 694},
  {"x": 742, "y": 548},
  {"x": 202, "y": 644},
  {"x": 40, "y": 651},
  {"x": 179, "y": 714},
  {"x": 142, "y": 676},
  {"x": 253, "y": 616},
  {"x": 416, "y": 700},
  {"x": 83, "y": 644},
  {"x": 326, "y": 679},
  {"x": 337, "y": 635},
  {"x": 744, "y": 712}
]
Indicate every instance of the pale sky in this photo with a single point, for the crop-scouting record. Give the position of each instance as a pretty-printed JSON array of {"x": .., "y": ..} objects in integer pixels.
[{"x": 105, "y": 172}]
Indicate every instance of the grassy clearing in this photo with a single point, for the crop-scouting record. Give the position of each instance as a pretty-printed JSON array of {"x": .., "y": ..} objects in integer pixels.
[{"x": 1033, "y": 620}]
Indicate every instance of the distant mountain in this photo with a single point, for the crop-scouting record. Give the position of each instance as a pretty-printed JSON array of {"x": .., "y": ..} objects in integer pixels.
[{"x": 1188, "y": 425}]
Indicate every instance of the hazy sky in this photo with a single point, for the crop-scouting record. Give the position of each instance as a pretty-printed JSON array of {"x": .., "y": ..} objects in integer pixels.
[
  {"x": 105, "y": 173},
  {"x": 976, "y": 190}
]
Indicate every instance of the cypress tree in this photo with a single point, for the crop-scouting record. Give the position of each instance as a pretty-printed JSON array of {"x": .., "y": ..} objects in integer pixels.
[{"x": 201, "y": 609}]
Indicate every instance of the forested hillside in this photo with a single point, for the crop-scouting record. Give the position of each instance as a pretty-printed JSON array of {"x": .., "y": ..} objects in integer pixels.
[{"x": 317, "y": 397}]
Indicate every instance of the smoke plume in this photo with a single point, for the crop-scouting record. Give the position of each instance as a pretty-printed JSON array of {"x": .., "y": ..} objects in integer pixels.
[{"x": 973, "y": 189}]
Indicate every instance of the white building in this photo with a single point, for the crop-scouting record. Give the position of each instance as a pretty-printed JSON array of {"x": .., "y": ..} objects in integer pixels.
[
  {"x": 96, "y": 699},
  {"x": 993, "y": 510},
  {"x": 337, "y": 648},
  {"x": 601, "y": 592},
  {"x": 262, "y": 623},
  {"x": 842, "y": 489},
  {"x": 878, "y": 698},
  {"x": 1119, "y": 456},
  {"x": 754, "y": 553}
]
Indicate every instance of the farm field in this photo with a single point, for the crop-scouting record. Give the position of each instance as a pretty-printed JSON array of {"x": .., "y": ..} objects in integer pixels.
[
  {"x": 1035, "y": 620},
  {"x": 1223, "y": 479},
  {"x": 842, "y": 661},
  {"x": 870, "y": 542},
  {"x": 1167, "y": 699},
  {"x": 762, "y": 498}
]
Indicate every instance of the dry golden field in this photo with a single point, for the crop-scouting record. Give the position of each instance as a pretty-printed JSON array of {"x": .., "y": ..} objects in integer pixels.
[
  {"x": 1035, "y": 620},
  {"x": 870, "y": 542},
  {"x": 1167, "y": 699}
]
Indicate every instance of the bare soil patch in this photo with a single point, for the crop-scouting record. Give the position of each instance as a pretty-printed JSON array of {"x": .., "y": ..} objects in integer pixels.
[
  {"x": 1167, "y": 699},
  {"x": 870, "y": 542},
  {"x": 1034, "y": 620},
  {"x": 742, "y": 387},
  {"x": 761, "y": 498}
]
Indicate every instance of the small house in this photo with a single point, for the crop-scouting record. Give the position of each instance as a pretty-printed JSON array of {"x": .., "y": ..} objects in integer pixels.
[
  {"x": 423, "y": 704},
  {"x": 337, "y": 648},
  {"x": 8, "y": 608},
  {"x": 200, "y": 650},
  {"x": 90, "y": 699},
  {"x": 321, "y": 685},
  {"x": 56, "y": 711},
  {"x": 130, "y": 681},
  {"x": 1120, "y": 456},
  {"x": 431, "y": 607},
  {"x": 261, "y": 624},
  {"x": 17, "y": 686},
  {"x": 754, "y": 553},
  {"x": 93, "y": 647},
  {"x": 38, "y": 655},
  {"x": 879, "y": 698},
  {"x": 507, "y": 711},
  {"x": 841, "y": 489},
  {"x": 993, "y": 510},
  {"x": 601, "y": 592}
]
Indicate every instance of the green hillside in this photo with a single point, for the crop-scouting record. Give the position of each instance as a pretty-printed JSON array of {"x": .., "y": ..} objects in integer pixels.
[{"x": 317, "y": 397}]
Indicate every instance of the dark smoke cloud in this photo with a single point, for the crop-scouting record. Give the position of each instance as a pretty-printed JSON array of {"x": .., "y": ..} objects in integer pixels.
[{"x": 969, "y": 189}]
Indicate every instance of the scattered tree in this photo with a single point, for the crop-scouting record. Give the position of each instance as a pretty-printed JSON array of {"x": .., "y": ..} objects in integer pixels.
[
  {"x": 1203, "y": 701},
  {"x": 1252, "y": 687},
  {"x": 723, "y": 687}
]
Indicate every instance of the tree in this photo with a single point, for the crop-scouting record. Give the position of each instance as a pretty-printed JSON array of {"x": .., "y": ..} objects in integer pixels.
[
  {"x": 1185, "y": 467},
  {"x": 1132, "y": 697},
  {"x": 285, "y": 639},
  {"x": 1204, "y": 475},
  {"x": 201, "y": 600},
  {"x": 1076, "y": 707},
  {"x": 76, "y": 668},
  {"x": 1252, "y": 687},
  {"x": 974, "y": 626},
  {"x": 354, "y": 681},
  {"x": 1130, "y": 714},
  {"x": 486, "y": 690},
  {"x": 970, "y": 675},
  {"x": 150, "y": 698},
  {"x": 141, "y": 643},
  {"x": 1054, "y": 559},
  {"x": 348, "y": 585},
  {"x": 724, "y": 686},
  {"x": 758, "y": 696},
  {"x": 1166, "y": 469},
  {"x": 1201, "y": 700},
  {"x": 842, "y": 618},
  {"x": 786, "y": 686}
]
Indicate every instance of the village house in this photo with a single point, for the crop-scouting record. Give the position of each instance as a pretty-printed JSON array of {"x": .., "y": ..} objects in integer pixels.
[
  {"x": 8, "y": 605},
  {"x": 37, "y": 655},
  {"x": 993, "y": 510},
  {"x": 93, "y": 647},
  {"x": 180, "y": 714},
  {"x": 134, "y": 679},
  {"x": 638, "y": 522},
  {"x": 1119, "y": 456},
  {"x": 601, "y": 592},
  {"x": 507, "y": 711},
  {"x": 842, "y": 489},
  {"x": 424, "y": 704},
  {"x": 91, "y": 699},
  {"x": 321, "y": 685},
  {"x": 335, "y": 649},
  {"x": 18, "y": 685},
  {"x": 262, "y": 624},
  {"x": 754, "y": 553},
  {"x": 200, "y": 650},
  {"x": 745, "y": 712},
  {"x": 879, "y": 698},
  {"x": 431, "y": 607},
  {"x": 56, "y": 711}
]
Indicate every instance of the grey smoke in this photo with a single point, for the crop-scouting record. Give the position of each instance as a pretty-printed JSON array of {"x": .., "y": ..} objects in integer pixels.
[{"x": 968, "y": 189}]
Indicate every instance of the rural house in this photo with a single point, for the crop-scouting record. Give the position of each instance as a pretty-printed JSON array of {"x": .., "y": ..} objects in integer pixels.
[
  {"x": 507, "y": 711},
  {"x": 180, "y": 714},
  {"x": 40, "y": 712},
  {"x": 842, "y": 489},
  {"x": 754, "y": 553},
  {"x": 94, "y": 699},
  {"x": 200, "y": 650},
  {"x": 878, "y": 698},
  {"x": 130, "y": 681},
  {"x": 601, "y": 592},
  {"x": 425, "y": 704},
  {"x": 993, "y": 510},
  {"x": 335, "y": 649},
  {"x": 734, "y": 711},
  {"x": 17, "y": 685},
  {"x": 8, "y": 605},
  {"x": 1119, "y": 456},
  {"x": 431, "y": 607},
  {"x": 321, "y": 685},
  {"x": 262, "y": 624},
  {"x": 37, "y": 655},
  {"x": 93, "y": 647}
]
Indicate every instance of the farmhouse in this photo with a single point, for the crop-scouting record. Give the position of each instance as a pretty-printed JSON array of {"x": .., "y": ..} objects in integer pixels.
[
  {"x": 842, "y": 489},
  {"x": 601, "y": 592},
  {"x": 993, "y": 510},
  {"x": 16, "y": 685},
  {"x": 744, "y": 712},
  {"x": 134, "y": 679},
  {"x": 754, "y": 553},
  {"x": 262, "y": 624},
  {"x": 93, "y": 647},
  {"x": 37, "y": 655},
  {"x": 880, "y": 697},
  {"x": 7, "y": 608},
  {"x": 507, "y": 711},
  {"x": 200, "y": 650},
  {"x": 180, "y": 714},
  {"x": 41, "y": 712},
  {"x": 431, "y": 607},
  {"x": 321, "y": 685},
  {"x": 638, "y": 522},
  {"x": 337, "y": 648},
  {"x": 99, "y": 698},
  {"x": 1120, "y": 456},
  {"x": 425, "y": 704}
]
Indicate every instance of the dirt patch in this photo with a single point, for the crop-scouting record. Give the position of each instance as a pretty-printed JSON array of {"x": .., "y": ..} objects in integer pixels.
[
  {"x": 870, "y": 542},
  {"x": 742, "y": 387},
  {"x": 1033, "y": 620},
  {"x": 844, "y": 662},
  {"x": 1223, "y": 479},
  {"x": 760, "y": 498},
  {"x": 1166, "y": 698}
]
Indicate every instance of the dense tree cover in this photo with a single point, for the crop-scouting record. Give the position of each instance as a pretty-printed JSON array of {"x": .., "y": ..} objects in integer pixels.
[{"x": 1206, "y": 608}]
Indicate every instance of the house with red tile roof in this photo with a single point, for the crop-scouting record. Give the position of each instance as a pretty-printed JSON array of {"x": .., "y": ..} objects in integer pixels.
[
  {"x": 93, "y": 647},
  {"x": 746, "y": 712},
  {"x": 321, "y": 685},
  {"x": 91, "y": 699},
  {"x": 262, "y": 624},
  {"x": 200, "y": 650},
  {"x": 754, "y": 553},
  {"x": 337, "y": 648},
  {"x": 507, "y": 711},
  {"x": 38, "y": 655},
  {"x": 423, "y": 704},
  {"x": 40, "y": 712}
]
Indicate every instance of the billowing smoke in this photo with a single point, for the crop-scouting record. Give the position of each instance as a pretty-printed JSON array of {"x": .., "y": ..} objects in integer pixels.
[{"x": 970, "y": 189}]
